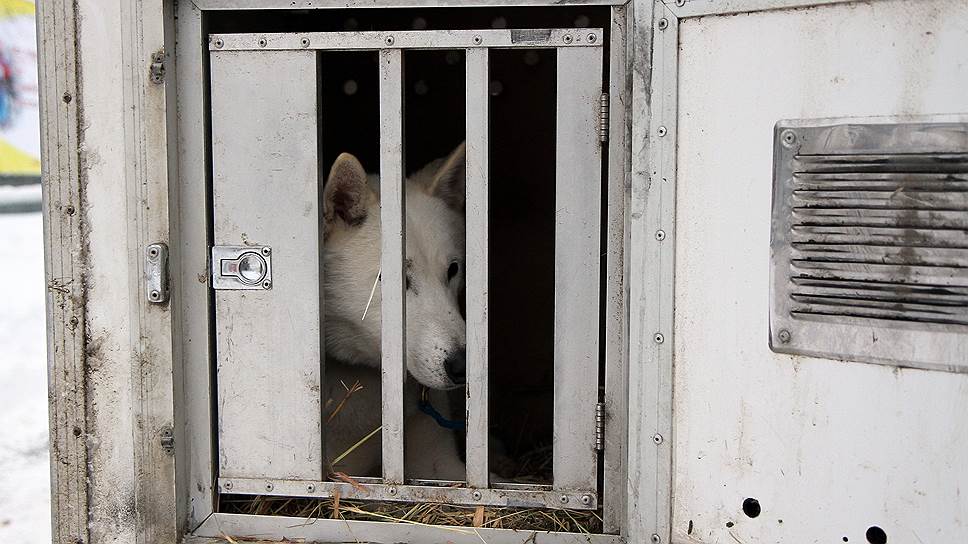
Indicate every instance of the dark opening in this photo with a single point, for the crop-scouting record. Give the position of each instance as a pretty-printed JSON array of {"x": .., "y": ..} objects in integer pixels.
[
  {"x": 751, "y": 507},
  {"x": 876, "y": 535}
]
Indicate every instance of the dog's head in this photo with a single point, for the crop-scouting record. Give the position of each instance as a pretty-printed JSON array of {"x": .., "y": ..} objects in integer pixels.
[{"x": 436, "y": 335}]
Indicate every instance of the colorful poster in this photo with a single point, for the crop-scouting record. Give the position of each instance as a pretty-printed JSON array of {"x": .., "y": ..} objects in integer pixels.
[{"x": 19, "y": 118}]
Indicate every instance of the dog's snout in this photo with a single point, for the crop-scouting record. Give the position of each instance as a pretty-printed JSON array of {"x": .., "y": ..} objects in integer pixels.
[{"x": 456, "y": 367}]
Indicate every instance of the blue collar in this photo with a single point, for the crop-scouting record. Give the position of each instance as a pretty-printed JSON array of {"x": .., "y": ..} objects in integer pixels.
[{"x": 427, "y": 408}]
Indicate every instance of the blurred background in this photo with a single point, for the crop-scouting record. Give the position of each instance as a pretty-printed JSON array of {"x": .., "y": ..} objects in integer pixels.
[{"x": 24, "y": 463}]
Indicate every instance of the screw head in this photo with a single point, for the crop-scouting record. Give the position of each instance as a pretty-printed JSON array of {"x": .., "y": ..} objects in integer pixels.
[
  {"x": 657, "y": 438},
  {"x": 477, "y": 495},
  {"x": 311, "y": 488},
  {"x": 154, "y": 294},
  {"x": 269, "y": 486},
  {"x": 262, "y": 42},
  {"x": 661, "y": 131},
  {"x": 660, "y": 235},
  {"x": 392, "y": 491},
  {"x": 266, "y": 251},
  {"x": 389, "y": 40},
  {"x": 586, "y": 499},
  {"x": 304, "y": 42},
  {"x": 591, "y": 37},
  {"x": 153, "y": 252},
  {"x": 567, "y": 38},
  {"x": 267, "y": 284},
  {"x": 563, "y": 499},
  {"x": 789, "y": 138},
  {"x": 680, "y": 3},
  {"x": 663, "y": 24},
  {"x": 478, "y": 40},
  {"x": 659, "y": 338},
  {"x": 784, "y": 336},
  {"x": 656, "y": 539},
  {"x": 227, "y": 485},
  {"x": 219, "y": 43},
  {"x": 69, "y": 210}
]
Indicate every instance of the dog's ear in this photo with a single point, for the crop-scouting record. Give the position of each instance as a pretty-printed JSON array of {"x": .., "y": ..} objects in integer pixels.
[
  {"x": 449, "y": 181},
  {"x": 347, "y": 194}
]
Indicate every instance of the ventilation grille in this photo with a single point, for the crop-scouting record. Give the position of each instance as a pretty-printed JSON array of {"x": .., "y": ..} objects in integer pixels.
[
  {"x": 880, "y": 237},
  {"x": 870, "y": 241}
]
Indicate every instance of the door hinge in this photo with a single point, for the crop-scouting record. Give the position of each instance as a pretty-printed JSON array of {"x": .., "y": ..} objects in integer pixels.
[
  {"x": 168, "y": 441},
  {"x": 603, "y": 119},
  {"x": 156, "y": 273},
  {"x": 600, "y": 426},
  {"x": 156, "y": 70}
]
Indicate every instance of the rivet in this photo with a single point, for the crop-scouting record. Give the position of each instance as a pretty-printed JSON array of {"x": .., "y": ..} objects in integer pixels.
[
  {"x": 69, "y": 210},
  {"x": 153, "y": 252},
  {"x": 663, "y": 23},
  {"x": 262, "y": 42},
  {"x": 219, "y": 43},
  {"x": 266, "y": 251},
  {"x": 269, "y": 486},
  {"x": 227, "y": 485},
  {"x": 592, "y": 37},
  {"x": 389, "y": 40},
  {"x": 154, "y": 295},
  {"x": 74, "y": 321},
  {"x": 267, "y": 284},
  {"x": 784, "y": 336},
  {"x": 660, "y": 235},
  {"x": 680, "y": 3},
  {"x": 304, "y": 42},
  {"x": 391, "y": 491},
  {"x": 661, "y": 131},
  {"x": 67, "y": 98},
  {"x": 789, "y": 138},
  {"x": 567, "y": 38},
  {"x": 563, "y": 499},
  {"x": 478, "y": 40},
  {"x": 657, "y": 438},
  {"x": 586, "y": 499},
  {"x": 477, "y": 495},
  {"x": 311, "y": 488},
  {"x": 659, "y": 338},
  {"x": 656, "y": 539}
]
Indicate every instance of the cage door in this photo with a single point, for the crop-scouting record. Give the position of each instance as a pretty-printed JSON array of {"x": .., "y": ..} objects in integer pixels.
[{"x": 265, "y": 264}]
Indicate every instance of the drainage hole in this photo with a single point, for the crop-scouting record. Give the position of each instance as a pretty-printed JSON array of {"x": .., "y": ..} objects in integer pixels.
[
  {"x": 876, "y": 535},
  {"x": 751, "y": 507}
]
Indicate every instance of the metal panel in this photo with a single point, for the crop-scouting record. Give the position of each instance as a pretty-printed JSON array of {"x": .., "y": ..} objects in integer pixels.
[
  {"x": 615, "y": 482},
  {"x": 651, "y": 275},
  {"x": 410, "y": 39},
  {"x": 869, "y": 253},
  {"x": 477, "y": 99},
  {"x": 393, "y": 252},
  {"x": 578, "y": 194},
  {"x": 378, "y": 4},
  {"x": 756, "y": 423},
  {"x": 264, "y": 141}
]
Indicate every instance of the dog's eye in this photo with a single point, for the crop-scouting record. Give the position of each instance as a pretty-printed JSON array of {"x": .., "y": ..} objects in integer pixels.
[{"x": 453, "y": 270}]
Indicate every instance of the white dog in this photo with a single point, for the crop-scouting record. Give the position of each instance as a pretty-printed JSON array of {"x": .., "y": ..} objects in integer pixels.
[{"x": 435, "y": 328}]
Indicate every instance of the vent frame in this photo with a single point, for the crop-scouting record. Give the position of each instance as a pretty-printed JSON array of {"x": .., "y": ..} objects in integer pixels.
[{"x": 896, "y": 322}]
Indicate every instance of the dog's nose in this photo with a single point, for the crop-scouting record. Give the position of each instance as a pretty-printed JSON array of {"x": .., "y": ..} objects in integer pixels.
[{"x": 456, "y": 367}]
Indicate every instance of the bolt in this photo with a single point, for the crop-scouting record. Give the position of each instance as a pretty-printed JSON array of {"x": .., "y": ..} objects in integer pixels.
[
  {"x": 661, "y": 131},
  {"x": 219, "y": 43},
  {"x": 567, "y": 38},
  {"x": 154, "y": 295},
  {"x": 586, "y": 499},
  {"x": 663, "y": 23},
  {"x": 266, "y": 251},
  {"x": 658, "y": 338},
  {"x": 69, "y": 210},
  {"x": 789, "y": 138},
  {"x": 660, "y": 235},
  {"x": 591, "y": 38},
  {"x": 389, "y": 40},
  {"x": 227, "y": 485},
  {"x": 304, "y": 42},
  {"x": 392, "y": 491},
  {"x": 262, "y": 42},
  {"x": 784, "y": 336},
  {"x": 311, "y": 488},
  {"x": 563, "y": 499},
  {"x": 267, "y": 284},
  {"x": 657, "y": 438},
  {"x": 269, "y": 486},
  {"x": 477, "y": 495},
  {"x": 478, "y": 40},
  {"x": 656, "y": 539}
]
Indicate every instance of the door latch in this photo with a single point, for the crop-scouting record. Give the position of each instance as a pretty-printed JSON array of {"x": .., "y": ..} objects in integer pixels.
[
  {"x": 156, "y": 273},
  {"x": 241, "y": 267}
]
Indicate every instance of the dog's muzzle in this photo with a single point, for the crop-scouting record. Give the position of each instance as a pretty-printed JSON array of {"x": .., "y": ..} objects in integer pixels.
[{"x": 456, "y": 367}]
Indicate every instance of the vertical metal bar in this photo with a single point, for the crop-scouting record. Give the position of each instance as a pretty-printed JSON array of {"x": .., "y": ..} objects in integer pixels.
[
  {"x": 616, "y": 289},
  {"x": 578, "y": 193},
  {"x": 476, "y": 89},
  {"x": 393, "y": 249}
]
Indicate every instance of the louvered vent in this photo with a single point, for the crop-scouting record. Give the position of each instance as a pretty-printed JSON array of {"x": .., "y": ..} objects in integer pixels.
[{"x": 870, "y": 229}]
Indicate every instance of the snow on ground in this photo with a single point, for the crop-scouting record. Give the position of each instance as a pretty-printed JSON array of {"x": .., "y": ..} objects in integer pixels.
[{"x": 24, "y": 465}]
